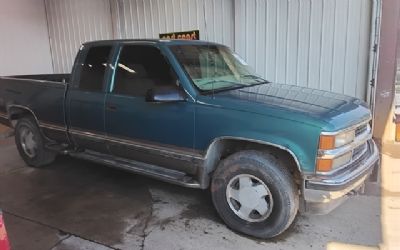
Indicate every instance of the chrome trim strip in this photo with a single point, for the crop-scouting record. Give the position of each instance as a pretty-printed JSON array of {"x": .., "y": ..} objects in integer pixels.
[
  {"x": 255, "y": 141},
  {"x": 31, "y": 80},
  {"x": 134, "y": 144},
  {"x": 52, "y": 127},
  {"x": 88, "y": 134},
  {"x": 347, "y": 129}
]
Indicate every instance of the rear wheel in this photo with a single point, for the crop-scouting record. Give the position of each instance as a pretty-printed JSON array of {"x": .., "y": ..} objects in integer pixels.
[
  {"x": 255, "y": 194},
  {"x": 30, "y": 143}
]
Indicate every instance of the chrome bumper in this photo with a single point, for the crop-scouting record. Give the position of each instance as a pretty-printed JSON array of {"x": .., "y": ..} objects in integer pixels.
[{"x": 323, "y": 194}]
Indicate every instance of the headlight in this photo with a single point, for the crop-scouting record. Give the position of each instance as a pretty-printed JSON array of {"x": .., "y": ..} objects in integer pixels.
[
  {"x": 327, "y": 142},
  {"x": 344, "y": 138}
]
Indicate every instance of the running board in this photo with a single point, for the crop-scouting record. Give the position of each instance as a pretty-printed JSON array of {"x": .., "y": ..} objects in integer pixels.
[{"x": 153, "y": 171}]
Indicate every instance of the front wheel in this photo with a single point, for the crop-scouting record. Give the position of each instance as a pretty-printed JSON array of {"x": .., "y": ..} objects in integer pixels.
[
  {"x": 30, "y": 143},
  {"x": 255, "y": 194}
]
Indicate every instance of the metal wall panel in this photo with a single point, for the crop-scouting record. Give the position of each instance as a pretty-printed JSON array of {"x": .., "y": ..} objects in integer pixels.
[
  {"x": 72, "y": 23},
  {"x": 148, "y": 18},
  {"x": 321, "y": 44}
]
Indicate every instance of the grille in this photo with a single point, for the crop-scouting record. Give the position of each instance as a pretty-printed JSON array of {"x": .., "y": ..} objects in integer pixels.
[
  {"x": 361, "y": 129},
  {"x": 362, "y": 156},
  {"x": 359, "y": 150}
]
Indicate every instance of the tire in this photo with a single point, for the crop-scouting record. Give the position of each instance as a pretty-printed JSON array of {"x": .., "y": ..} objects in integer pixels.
[
  {"x": 265, "y": 173},
  {"x": 30, "y": 143}
]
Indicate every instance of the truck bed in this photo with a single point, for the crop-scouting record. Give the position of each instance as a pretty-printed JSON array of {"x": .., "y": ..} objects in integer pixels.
[
  {"x": 41, "y": 95},
  {"x": 62, "y": 78}
]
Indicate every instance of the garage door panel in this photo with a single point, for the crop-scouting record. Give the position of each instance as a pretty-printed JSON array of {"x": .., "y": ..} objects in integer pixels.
[
  {"x": 282, "y": 35},
  {"x": 73, "y": 22},
  {"x": 327, "y": 44},
  {"x": 146, "y": 19},
  {"x": 313, "y": 43},
  {"x": 303, "y": 49},
  {"x": 271, "y": 31},
  {"x": 293, "y": 41}
]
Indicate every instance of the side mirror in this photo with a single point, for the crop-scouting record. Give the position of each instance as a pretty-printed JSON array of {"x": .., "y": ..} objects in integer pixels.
[{"x": 165, "y": 94}]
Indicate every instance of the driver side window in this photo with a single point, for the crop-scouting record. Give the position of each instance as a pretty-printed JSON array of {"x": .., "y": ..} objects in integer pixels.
[{"x": 141, "y": 68}]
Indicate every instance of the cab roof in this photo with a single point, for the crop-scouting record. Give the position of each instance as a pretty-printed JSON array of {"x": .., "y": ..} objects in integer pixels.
[{"x": 156, "y": 41}]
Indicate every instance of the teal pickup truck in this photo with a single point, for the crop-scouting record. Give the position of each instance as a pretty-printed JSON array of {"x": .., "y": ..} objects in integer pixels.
[{"x": 193, "y": 113}]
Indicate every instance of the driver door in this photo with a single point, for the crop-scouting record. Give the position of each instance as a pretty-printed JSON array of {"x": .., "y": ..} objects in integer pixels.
[{"x": 147, "y": 131}]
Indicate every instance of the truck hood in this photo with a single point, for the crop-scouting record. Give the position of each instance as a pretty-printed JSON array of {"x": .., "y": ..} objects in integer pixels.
[{"x": 328, "y": 110}]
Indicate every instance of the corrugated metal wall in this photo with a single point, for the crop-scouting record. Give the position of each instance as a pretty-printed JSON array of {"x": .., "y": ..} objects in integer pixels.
[
  {"x": 73, "y": 22},
  {"x": 148, "y": 18},
  {"x": 321, "y": 44}
]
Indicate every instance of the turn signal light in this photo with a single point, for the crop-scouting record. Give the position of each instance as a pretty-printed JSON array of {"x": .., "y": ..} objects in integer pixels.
[
  {"x": 326, "y": 142},
  {"x": 324, "y": 165}
]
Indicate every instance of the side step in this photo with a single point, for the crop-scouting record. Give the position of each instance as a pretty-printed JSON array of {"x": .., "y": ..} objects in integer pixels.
[{"x": 153, "y": 171}]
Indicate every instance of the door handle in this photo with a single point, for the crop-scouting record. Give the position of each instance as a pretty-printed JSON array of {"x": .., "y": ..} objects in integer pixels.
[{"x": 111, "y": 108}]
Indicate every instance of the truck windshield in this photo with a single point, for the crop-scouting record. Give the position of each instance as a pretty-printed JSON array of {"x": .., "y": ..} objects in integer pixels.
[{"x": 215, "y": 67}]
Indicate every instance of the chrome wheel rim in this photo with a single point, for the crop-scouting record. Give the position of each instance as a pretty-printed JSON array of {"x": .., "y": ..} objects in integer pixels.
[
  {"x": 28, "y": 143},
  {"x": 249, "y": 198}
]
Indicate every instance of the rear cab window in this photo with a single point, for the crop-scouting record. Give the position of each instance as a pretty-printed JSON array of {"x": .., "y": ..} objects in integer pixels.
[{"x": 92, "y": 69}]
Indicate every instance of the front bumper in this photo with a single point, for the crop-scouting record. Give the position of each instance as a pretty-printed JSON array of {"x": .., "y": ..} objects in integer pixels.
[{"x": 323, "y": 194}]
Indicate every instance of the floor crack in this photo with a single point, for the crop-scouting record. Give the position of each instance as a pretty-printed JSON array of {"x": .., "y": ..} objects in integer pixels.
[
  {"x": 59, "y": 242},
  {"x": 146, "y": 224}
]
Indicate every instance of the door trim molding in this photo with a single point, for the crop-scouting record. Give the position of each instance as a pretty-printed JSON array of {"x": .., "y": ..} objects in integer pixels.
[{"x": 177, "y": 152}]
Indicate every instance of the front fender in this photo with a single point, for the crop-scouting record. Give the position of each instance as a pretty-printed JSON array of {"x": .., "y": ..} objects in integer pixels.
[{"x": 299, "y": 139}]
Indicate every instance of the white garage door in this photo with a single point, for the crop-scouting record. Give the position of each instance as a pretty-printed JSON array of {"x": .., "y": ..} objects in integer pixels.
[
  {"x": 73, "y": 22},
  {"x": 149, "y": 18},
  {"x": 76, "y": 21},
  {"x": 321, "y": 44}
]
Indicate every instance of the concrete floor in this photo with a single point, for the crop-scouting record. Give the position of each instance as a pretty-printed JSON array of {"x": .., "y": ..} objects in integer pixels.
[{"x": 74, "y": 204}]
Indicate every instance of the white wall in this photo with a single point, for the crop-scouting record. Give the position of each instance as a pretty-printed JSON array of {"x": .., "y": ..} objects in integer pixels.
[
  {"x": 322, "y": 44},
  {"x": 149, "y": 18},
  {"x": 74, "y": 22},
  {"x": 24, "y": 39}
]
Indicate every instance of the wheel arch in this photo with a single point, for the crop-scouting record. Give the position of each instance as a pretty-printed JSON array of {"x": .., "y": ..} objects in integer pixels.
[
  {"x": 16, "y": 112},
  {"x": 222, "y": 147}
]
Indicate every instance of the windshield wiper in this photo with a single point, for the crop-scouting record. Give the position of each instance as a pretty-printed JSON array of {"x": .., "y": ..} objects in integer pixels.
[
  {"x": 235, "y": 85},
  {"x": 255, "y": 77},
  {"x": 238, "y": 86},
  {"x": 214, "y": 81}
]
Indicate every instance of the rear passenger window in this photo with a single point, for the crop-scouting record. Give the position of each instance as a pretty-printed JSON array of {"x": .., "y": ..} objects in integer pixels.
[
  {"x": 141, "y": 68},
  {"x": 93, "y": 68}
]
